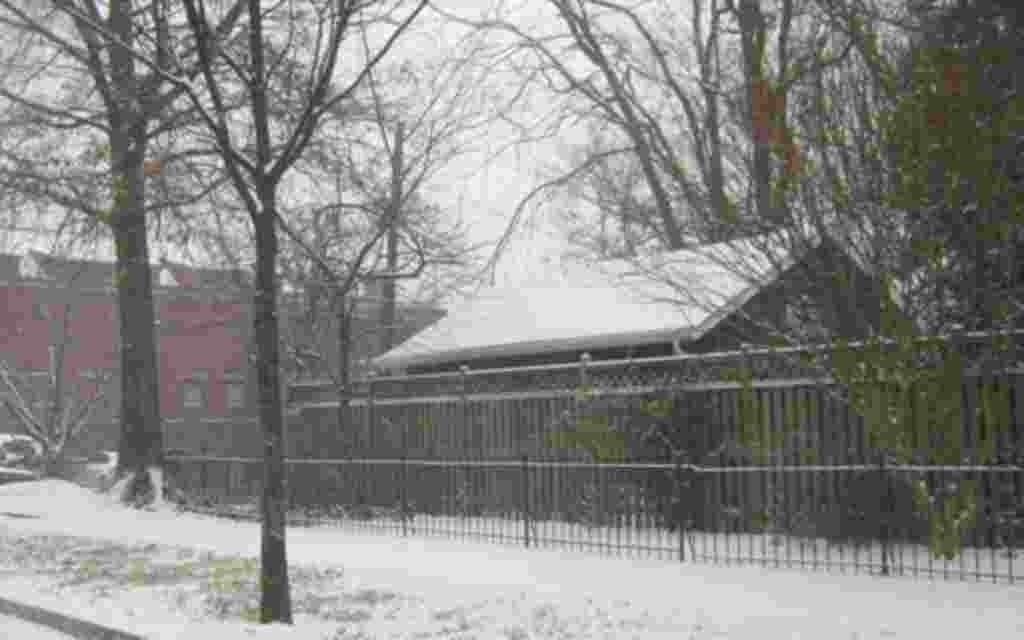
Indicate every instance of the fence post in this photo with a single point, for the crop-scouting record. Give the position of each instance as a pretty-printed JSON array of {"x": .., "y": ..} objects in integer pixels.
[
  {"x": 404, "y": 496},
  {"x": 370, "y": 410},
  {"x": 678, "y": 499},
  {"x": 887, "y": 512},
  {"x": 204, "y": 490},
  {"x": 229, "y": 494},
  {"x": 467, "y": 437},
  {"x": 525, "y": 500}
]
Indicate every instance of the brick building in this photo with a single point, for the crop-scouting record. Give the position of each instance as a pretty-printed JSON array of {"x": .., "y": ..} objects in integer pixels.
[{"x": 207, "y": 390}]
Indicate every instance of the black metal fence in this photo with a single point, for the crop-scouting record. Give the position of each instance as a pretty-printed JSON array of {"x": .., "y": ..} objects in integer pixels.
[
  {"x": 848, "y": 518},
  {"x": 672, "y": 457}
]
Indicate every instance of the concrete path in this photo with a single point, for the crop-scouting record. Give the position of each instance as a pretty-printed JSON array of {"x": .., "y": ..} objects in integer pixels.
[
  {"x": 11, "y": 627},
  {"x": 57, "y": 625}
]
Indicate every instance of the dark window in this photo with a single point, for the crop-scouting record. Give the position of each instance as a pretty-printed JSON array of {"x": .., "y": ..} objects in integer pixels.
[
  {"x": 234, "y": 390},
  {"x": 235, "y": 394},
  {"x": 192, "y": 395},
  {"x": 193, "y": 390}
]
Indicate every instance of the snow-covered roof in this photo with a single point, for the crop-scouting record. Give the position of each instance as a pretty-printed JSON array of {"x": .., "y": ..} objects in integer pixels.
[{"x": 679, "y": 295}]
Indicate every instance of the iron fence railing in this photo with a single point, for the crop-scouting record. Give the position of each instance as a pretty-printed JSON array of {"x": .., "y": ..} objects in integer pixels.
[
  {"x": 999, "y": 350},
  {"x": 698, "y": 402},
  {"x": 849, "y": 518}
]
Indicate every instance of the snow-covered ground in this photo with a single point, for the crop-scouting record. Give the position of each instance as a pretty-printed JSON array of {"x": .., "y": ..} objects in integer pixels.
[
  {"x": 767, "y": 549},
  {"x": 350, "y": 585},
  {"x": 638, "y": 539}
]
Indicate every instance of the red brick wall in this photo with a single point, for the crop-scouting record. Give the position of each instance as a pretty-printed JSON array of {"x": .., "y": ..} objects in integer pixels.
[
  {"x": 24, "y": 338},
  {"x": 199, "y": 332},
  {"x": 195, "y": 335}
]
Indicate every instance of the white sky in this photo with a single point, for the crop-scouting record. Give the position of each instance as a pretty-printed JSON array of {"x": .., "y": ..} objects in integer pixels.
[
  {"x": 487, "y": 200},
  {"x": 484, "y": 197}
]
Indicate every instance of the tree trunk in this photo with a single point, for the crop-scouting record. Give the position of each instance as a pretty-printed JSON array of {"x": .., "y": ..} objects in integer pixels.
[
  {"x": 141, "y": 447},
  {"x": 389, "y": 295},
  {"x": 753, "y": 34},
  {"x": 344, "y": 355},
  {"x": 275, "y": 595}
]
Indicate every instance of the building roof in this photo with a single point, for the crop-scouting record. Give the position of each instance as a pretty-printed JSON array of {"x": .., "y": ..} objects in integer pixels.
[
  {"x": 99, "y": 275},
  {"x": 676, "y": 296}
]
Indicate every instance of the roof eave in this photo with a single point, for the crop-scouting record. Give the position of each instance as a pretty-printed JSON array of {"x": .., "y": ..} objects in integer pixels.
[{"x": 602, "y": 341}]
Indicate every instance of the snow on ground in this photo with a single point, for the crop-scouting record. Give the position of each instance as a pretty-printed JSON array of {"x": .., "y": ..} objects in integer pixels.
[
  {"x": 392, "y": 587},
  {"x": 766, "y": 548}
]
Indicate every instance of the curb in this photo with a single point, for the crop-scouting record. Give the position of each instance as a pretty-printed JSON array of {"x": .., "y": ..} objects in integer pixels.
[{"x": 74, "y": 627}]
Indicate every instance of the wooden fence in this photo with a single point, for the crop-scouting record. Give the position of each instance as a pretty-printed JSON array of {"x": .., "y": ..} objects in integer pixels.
[{"x": 651, "y": 410}]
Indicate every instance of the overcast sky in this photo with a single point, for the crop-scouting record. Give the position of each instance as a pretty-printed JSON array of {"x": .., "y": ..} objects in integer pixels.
[
  {"x": 487, "y": 200},
  {"x": 482, "y": 195}
]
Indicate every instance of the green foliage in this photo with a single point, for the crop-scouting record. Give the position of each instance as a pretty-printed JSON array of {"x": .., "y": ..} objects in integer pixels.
[
  {"x": 120, "y": 278},
  {"x": 119, "y": 192},
  {"x": 136, "y": 572},
  {"x": 808, "y": 455},
  {"x": 760, "y": 521},
  {"x": 948, "y": 518},
  {"x": 87, "y": 570},
  {"x": 951, "y": 141},
  {"x": 251, "y": 615},
  {"x": 916, "y": 412},
  {"x": 730, "y": 214},
  {"x": 592, "y": 431},
  {"x": 992, "y": 414},
  {"x": 657, "y": 408},
  {"x": 231, "y": 576},
  {"x": 583, "y": 393},
  {"x": 593, "y": 435},
  {"x": 424, "y": 425},
  {"x": 909, "y": 394},
  {"x": 752, "y": 434}
]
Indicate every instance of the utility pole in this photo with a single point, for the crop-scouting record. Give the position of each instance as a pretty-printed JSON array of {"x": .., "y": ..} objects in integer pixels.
[{"x": 388, "y": 311}]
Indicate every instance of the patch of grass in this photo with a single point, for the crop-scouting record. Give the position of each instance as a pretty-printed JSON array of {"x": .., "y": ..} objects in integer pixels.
[
  {"x": 352, "y": 616},
  {"x": 206, "y": 584},
  {"x": 351, "y": 634},
  {"x": 251, "y": 615},
  {"x": 370, "y": 597}
]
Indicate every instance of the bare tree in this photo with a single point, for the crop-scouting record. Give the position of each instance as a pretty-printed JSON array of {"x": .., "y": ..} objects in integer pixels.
[
  {"x": 417, "y": 120},
  {"x": 90, "y": 97},
  {"x": 258, "y": 151},
  {"x": 692, "y": 101}
]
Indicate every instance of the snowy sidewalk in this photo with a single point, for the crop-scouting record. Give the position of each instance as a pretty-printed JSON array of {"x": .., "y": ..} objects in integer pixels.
[
  {"x": 51, "y": 623},
  {"x": 16, "y": 628},
  {"x": 445, "y": 589}
]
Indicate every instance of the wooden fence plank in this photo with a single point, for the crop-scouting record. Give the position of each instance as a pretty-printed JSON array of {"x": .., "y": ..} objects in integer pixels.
[{"x": 803, "y": 416}]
